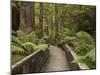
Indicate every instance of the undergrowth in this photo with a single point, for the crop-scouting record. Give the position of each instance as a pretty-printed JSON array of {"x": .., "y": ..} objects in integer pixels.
[
  {"x": 24, "y": 43},
  {"x": 83, "y": 44}
]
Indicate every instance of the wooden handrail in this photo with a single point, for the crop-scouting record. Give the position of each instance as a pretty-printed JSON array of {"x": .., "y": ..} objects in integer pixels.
[
  {"x": 81, "y": 65},
  {"x": 24, "y": 60}
]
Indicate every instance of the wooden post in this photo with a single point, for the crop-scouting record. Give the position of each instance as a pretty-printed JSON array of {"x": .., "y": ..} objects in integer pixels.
[{"x": 26, "y": 68}]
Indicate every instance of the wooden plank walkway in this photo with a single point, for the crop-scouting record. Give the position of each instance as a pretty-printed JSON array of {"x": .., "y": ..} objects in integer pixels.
[{"x": 57, "y": 60}]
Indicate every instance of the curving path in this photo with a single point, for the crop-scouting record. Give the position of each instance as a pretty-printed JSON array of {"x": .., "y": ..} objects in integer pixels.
[{"x": 56, "y": 61}]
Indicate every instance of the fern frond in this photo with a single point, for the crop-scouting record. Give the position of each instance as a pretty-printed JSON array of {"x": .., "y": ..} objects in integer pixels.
[
  {"x": 27, "y": 37},
  {"x": 79, "y": 59},
  {"x": 22, "y": 36},
  {"x": 16, "y": 58},
  {"x": 86, "y": 36},
  {"x": 16, "y": 41},
  {"x": 30, "y": 47},
  {"x": 92, "y": 54},
  {"x": 32, "y": 37},
  {"x": 42, "y": 47},
  {"x": 18, "y": 50}
]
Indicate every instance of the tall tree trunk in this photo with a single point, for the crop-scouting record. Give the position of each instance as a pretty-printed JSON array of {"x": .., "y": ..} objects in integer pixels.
[
  {"x": 46, "y": 26},
  {"x": 26, "y": 17},
  {"x": 56, "y": 22},
  {"x": 33, "y": 16},
  {"x": 41, "y": 21},
  {"x": 15, "y": 18}
]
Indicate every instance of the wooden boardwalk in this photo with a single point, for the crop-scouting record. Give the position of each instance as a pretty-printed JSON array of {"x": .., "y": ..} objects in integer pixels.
[{"x": 57, "y": 60}]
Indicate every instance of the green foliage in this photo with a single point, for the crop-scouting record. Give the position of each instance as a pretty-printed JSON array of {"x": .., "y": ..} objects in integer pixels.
[
  {"x": 25, "y": 43},
  {"x": 83, "y": 44},
  {"x": 89, "y": 59},
  {"x": 79, "y": 59},
  {"x": 18, "y": 50},
  {"x": 66, "y": 36},
  {"x": 25, "y": 37},
  {"x": 42, "y": 41},
  {"x": 16, "y": 41},
  {"x": 66, "y": 32},
  {"x": 30, "y": 47},
  {"x": 91, "y": 54},
  {"x": 16, "y": 58},
  {"x": 86, "y": 36},
  {"x": 42, "y": 47}
]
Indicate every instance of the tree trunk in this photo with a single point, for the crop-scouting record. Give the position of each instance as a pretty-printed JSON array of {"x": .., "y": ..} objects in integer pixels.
[
  {"x": 26, "y": 17},
  {"x": 56, "y": 22},
  {"x": 15, "y": 18},
  {"x": 41, "y": 21},
  {"x": 34, "y": 16}
]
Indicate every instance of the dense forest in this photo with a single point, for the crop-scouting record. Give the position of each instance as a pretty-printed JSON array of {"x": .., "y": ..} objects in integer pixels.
[{"x": 36, "y": 25}]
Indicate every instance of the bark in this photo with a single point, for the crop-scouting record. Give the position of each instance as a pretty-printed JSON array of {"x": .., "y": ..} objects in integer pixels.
[
  {"x": 15, "y": 18},
  {"x": 41, "y": 21},
  {"x": 26, "y": 17},
  {"x": 56, "y": 22},
  {"x": 34, "y": 16}
]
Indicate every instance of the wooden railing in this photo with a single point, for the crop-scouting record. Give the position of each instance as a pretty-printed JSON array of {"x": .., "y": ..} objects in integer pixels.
[
  {"x": 31, "y": 63},
  {"x": 82, "y": 66}
]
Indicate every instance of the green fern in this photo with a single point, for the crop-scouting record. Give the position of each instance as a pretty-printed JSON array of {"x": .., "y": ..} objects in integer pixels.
[
  {"x": 16, "y": 58},
  {"x": 42, "y": 41},
  {"x": 79, "y": 59},
  {"x": 86, "y": 36},
  {"x": 26, "y": 43},
  {"x": 16, "y": 41},
  {"x": 32, "y": 37},
  {"x": 18, "y": 50},
  {"x": 42, "y": 47},
  {"x": 92, "y": 55},
  {"x": 30, "y": 47},
  {"x": 83, "y": 44},
  {"x": 26, "y": 37},
  {"x": 22, "y": 36}
]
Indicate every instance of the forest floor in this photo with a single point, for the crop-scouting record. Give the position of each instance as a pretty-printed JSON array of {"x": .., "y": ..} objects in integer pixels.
[{"x": 57, "y": 60}]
